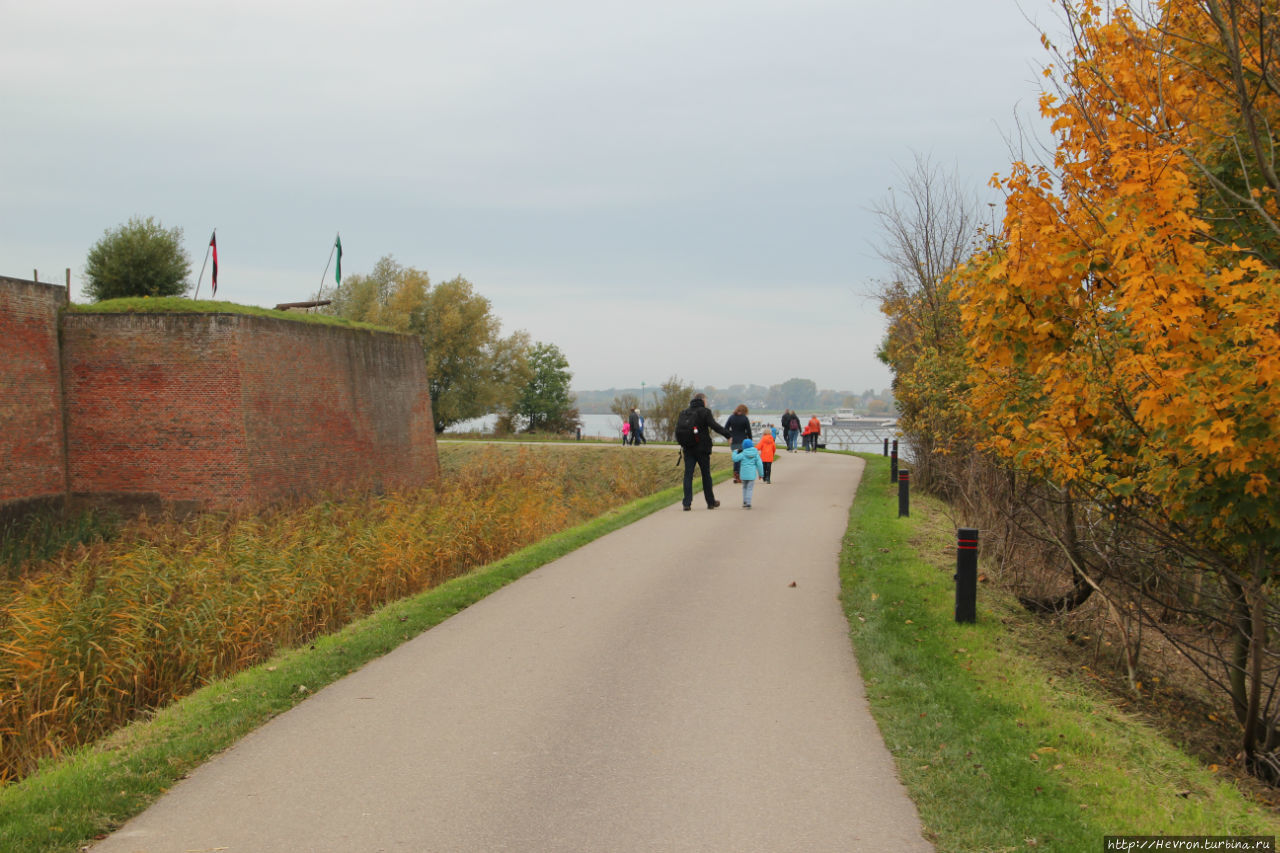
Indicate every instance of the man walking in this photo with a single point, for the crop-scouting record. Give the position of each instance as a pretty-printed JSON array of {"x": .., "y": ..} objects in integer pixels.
[
  {"x": 637, "y": 426},
  {"x": 693, "y": 433},
  {"x": 791, "y": 424}
]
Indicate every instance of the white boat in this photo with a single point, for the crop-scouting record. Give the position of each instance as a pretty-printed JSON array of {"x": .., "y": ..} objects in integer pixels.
[{"x": 847, "y": 418}]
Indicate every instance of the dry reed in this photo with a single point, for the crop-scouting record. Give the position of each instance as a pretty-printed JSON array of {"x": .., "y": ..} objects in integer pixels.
[{"x": 105, "y": 633}]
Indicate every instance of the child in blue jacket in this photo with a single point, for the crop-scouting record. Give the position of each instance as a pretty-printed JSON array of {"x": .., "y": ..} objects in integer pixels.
[{"x": 750, "y": 467}]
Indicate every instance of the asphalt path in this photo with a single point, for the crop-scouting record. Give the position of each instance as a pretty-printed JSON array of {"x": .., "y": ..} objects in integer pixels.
[{"x": 683, "y": 684}]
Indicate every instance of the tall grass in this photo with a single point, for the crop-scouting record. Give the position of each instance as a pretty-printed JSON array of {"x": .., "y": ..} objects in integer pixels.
[
  {"x": 37, "y": 536},
  {"x": 106, "y": 633}
]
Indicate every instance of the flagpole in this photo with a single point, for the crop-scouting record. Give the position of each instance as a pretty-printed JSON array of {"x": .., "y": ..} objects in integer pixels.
[
  {"x": 337, "y": 245},
  {"x": 325, "y": 274},
  {"x": 202, "y": 266}
]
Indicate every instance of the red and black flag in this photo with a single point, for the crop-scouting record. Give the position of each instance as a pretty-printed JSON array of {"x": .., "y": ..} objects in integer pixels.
[{"x": 213, "y": 244}]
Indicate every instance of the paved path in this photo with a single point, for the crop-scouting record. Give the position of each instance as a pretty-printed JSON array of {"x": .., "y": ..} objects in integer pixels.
[{"x": 683, "y": 684}]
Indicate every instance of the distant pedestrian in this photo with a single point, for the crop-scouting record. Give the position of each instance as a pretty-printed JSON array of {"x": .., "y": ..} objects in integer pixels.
[
  {"x": 739, "y": 426},
  {"x": 750, "y": 468},
  {"x": 637, "y": 432},
  {"x": 767, "y": 447},
  {"x": 693, "y": 433},
  {"x": 626, "y": 432},
  {"x": 812, "y": 432},
  {"x": 791, "y": 428}
]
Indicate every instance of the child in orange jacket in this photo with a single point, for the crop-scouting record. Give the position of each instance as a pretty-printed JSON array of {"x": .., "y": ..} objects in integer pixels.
[{"x": 767, "y": 448}]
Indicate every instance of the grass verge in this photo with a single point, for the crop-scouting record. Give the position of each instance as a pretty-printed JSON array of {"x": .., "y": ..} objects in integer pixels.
[
  {"x": 999, "y": 750},
  {"x": 183, "y": 305},
  {"x": 91, "y": 791}
]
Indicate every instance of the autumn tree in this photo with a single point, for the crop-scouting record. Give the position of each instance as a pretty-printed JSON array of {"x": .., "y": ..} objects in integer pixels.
[
  {"x": 928, "y": 226},
  {"x": 472, "y": 369},
  {"x": 623, "y": 404},
  {"x": 673, "y": 398},
  {"x": 1120, "y": 332}
]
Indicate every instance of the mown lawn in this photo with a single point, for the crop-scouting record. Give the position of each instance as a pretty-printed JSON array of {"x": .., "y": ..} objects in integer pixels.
[{"x": 1000, "y": 749}]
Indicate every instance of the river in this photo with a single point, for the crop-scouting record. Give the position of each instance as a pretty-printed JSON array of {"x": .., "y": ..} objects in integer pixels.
[{"x": 610, "y": 426}]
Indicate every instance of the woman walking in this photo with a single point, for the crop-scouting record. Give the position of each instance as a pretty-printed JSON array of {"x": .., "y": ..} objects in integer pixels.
[
  {"x": 739, "y": 427},
  {"x": 791, "y": 429}
]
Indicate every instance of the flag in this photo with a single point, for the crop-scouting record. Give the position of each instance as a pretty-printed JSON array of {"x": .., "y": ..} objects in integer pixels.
[
  {"x": 337, "y": 270},
  {"x": 213, "y": 244}
]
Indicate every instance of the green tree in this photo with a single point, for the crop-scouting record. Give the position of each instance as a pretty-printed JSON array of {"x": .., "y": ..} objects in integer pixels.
[
  {"x": 472, "y": 369},
  {"x": 545, "y": 402},
  {"x": 796, "y": 394},
  {"x": 139, "y": 258}
]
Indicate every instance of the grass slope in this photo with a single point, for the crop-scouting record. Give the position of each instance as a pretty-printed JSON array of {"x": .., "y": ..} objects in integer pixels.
[
  {"x": 999, "y": 751},
  {"x": 94, "y": 790}
]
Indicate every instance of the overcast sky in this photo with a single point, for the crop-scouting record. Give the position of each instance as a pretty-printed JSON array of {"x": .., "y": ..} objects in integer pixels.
[{"x": 662, "y": 188}]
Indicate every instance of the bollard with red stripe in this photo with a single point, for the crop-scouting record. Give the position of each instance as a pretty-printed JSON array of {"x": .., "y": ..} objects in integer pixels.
[
  {"x": 893, "y": 463},
  {"x": 967, "y": 574},
  {"x": 904, "y": 493}
]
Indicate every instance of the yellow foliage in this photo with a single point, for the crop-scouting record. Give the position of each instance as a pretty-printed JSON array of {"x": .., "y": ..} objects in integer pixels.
[
  {"x": 1112, "y": 336},
  {"x": 103, "y": 634}
]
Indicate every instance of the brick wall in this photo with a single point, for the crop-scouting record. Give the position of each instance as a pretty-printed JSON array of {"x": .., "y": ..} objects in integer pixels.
[
  {"x": 227, "y": 409},
  {"x": 324, "y": 406},
  {"x": 32, "y": 462}
]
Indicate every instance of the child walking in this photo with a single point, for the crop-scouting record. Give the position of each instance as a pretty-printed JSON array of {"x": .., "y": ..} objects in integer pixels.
[
  {"x": 750, "y": 467},
  {"x": 767, "y": 448}
]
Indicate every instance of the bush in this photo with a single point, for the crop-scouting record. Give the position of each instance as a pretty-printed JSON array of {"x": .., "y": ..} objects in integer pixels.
[{"x": 139, "y": 258}]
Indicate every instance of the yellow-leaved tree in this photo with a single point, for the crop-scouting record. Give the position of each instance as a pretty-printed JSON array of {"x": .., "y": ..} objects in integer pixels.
[{"x": 1123, "y": 331}]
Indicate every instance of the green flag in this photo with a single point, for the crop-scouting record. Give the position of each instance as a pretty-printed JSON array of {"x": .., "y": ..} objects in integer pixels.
[{"x": 337, "y": 269}]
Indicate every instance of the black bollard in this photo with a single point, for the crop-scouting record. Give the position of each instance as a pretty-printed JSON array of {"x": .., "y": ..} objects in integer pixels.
[
  {"x": 886, "y": 448},
  {"x": 967, "y": 574},
  {"x": 904, "y": 493},
  {"x": 893, "y": 466}
]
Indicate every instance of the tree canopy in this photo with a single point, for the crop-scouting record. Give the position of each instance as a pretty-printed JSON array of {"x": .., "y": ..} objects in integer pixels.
[
  {"x": 1115, "y": 341},
  {"x": 472, "y": 369},
  {"x": 545, "y": 403},
  {"x": 139, "y": 258}
]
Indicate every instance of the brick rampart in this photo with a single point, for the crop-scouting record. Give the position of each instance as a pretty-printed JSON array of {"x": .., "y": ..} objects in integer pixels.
[
  {"x": 229, "y": 409},
  {"x": 33, "y": 466}
]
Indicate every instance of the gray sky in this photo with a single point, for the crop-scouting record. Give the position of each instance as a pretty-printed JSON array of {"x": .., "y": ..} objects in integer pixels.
[{"x": 660, "y": 188}]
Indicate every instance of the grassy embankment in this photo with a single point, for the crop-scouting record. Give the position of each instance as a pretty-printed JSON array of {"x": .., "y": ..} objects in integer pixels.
[
  {"x": 182, "y": 305},
  {"x": 1000, "y": 749},
  {"x": 308, "y": 562},
  {"x": 1002, "y": 745}
]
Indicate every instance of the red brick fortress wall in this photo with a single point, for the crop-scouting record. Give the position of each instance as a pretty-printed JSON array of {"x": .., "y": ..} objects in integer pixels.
[
  {"x": 32, "y": 455},
  {"x": 228, "y": 409},
  {"x": 325, "y": 405}
]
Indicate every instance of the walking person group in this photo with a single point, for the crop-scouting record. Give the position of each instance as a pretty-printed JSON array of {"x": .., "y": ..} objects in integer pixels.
[
  {"x": 751, "y": 462},
  {"x": 633, "y": 428},
  {"x": 808, "y": 436},
  {"x": 790, "y": 429}
]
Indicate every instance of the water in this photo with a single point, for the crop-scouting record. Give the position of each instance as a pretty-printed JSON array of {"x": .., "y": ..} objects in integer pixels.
[
  {"x": 610, "y": 427},
  {"x": 593, "y": 426}
]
